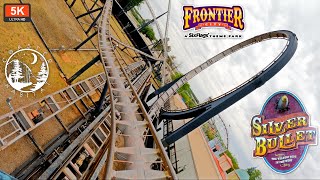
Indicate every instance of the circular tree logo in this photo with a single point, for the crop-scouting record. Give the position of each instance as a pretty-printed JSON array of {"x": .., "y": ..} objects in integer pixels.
[{"x": 26, "y": 70}]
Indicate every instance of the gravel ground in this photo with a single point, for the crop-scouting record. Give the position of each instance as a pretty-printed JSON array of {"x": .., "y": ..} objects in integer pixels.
[
  {"x": 47, "y": 131},
  {"x": 14, "y": 155}
]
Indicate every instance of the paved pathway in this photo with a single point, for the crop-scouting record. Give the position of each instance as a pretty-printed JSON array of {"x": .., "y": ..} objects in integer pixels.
[{"x": 197, "y": 145}]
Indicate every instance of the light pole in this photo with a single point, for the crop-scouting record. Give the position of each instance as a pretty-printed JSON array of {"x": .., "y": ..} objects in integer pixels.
[
  {"x": 225, "y": 127},
  {"x": 8, "y": 100}
]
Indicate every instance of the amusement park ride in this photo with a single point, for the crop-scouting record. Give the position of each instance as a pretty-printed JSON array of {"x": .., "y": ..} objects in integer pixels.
[{"x": 90, "y": 148}]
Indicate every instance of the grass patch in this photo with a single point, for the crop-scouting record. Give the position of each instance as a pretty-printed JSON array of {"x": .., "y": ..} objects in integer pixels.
[
  {"x": 208, "y": 131},
  {"x": 147, "y": 30},
  {"x": 211, "y": 133},
  {"x": 233, "y": 159},
  {"x": 137, "y": 15}
]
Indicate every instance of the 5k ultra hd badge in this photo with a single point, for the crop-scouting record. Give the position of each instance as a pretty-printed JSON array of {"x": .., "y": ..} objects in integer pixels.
[
  {"x": 282, "y": 132},
  {"x": 17, "y": 13}
]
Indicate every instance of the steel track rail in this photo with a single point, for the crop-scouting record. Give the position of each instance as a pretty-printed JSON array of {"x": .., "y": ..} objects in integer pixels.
[
  {"x": 164, "y": 40},
  {"x": 131, "y": 69},
  {"x": 129, "y": 116},
  {"x": 254, "y": 82},
  {"x": 93, "y": 83},
  {"x": 28, "y": 126},
  {"x": 51, "y": 172},
  {"x": 99, "y": 158},
  {"x": 135, "y": 49},
  {"x": 67, "y": 154},
  {"x": 205, "y": 111}
]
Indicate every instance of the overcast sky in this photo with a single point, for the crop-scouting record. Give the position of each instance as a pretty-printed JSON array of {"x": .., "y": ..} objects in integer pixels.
[{"x": 300, "y": 76}]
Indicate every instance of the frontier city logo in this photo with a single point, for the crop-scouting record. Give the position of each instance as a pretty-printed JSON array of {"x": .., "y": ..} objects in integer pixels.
[
  {"x": 282, "y": 132},
  {"x": 228, "y": 18},
  {"x": 26, "y": 70}
]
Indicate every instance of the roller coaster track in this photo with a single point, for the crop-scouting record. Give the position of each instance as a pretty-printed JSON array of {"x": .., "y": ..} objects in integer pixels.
[
  {"x": 129, "y": 120},
  {"x": 93, "y": 139},
  {"x": 116, "y": 139},
  {"x": 210, "y": 108},
  {"x": 165, "y": 43},
  {"x": 134, "y": 49},
  {"x": 72, "y": 94},
  {"x": 95, "y": 143},
  {"x": 59, "y": 101},
  {"x": 56, "y": 103}
]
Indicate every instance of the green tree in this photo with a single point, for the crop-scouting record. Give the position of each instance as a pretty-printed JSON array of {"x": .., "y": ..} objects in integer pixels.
[
  {"x": 184, "y": 90},
  {"x": 131, "y": 3},
  {"x": 176, "y": 75},
  {"x": 208, "y": 131},
  {"x": 210, "y": 134},
  {"x": 137, "y": 16},
  {"x": 205, "y": 127},
  {"x": 170, "y": 60},
  {"x": 148, "y": 31},
  {"x": 254, "y": 173},
  {"x": 233, "y": 159},
  {"x": 135, "y": 2}
]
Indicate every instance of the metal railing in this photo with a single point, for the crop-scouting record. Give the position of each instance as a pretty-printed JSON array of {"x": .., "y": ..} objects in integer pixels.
[
  {"x": 236, "y": 88},
  {"x": 167, "y": 94},
  {"x": 127, "y": 114}
]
